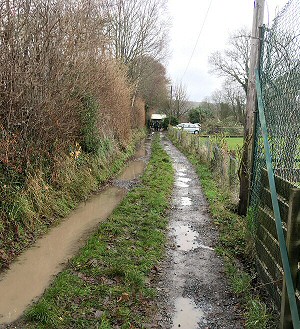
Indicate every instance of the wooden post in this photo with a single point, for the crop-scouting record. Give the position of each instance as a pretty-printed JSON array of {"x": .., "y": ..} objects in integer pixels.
[
  {"x": 292, "y": 243},
  {"x": 251, "y": 107}
]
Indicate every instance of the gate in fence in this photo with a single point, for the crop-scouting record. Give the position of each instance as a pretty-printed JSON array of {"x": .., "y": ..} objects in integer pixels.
[{"x": 277, "y": 160}]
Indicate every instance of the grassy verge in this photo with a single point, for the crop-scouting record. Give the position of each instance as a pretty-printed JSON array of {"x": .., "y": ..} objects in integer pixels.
[
  {"x": 234, "y": 245},
  {"x": 105, "y": 285},
  {"x": 28, "y": 209}
]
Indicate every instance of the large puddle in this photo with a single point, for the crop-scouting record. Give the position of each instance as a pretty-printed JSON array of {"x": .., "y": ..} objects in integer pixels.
[
  {"x": 187, "y": 314},
  {"x": 186, "y": 201},
  {"x": 185, "y": 237},
  {"x": 141, "y": 152},
  {"x": 182, "y": 181},
  {"x": 33, "y": 271},
  {"x": 133, "y": 170}
]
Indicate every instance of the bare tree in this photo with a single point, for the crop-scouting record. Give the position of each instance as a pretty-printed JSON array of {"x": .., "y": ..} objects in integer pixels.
[
  {"x": 235, "y": 97},
  {"x": 179, "y": 105},
  {"x": 233, "y": 63},
  {"x": 230, "y": 101},
  {"x": 137, "y": 30},
  {"x": 153, "y": 83}
]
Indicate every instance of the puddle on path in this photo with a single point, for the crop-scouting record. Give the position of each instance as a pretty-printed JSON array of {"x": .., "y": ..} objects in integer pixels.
[
  {"x": 33, "y": 270},
  {"x": 200, "y": 245},
  {"x": 187, "y": 315},
  {"x": 133, "y": 171},
  {"x": 180, "y": 167},
  {"x": 141, "y": 152},
  {"x": 185, "y": 238},
  {"x": 181, "y": 184},
  {"x": 136, "y": 167},
  {"x": 184, "y": 179},
  {"x": 186, "y": 201},
  {"x": 28, "y": 277}
]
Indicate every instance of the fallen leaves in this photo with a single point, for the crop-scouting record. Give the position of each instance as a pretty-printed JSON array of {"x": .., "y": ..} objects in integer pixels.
[{"x": 124, "y": 298}]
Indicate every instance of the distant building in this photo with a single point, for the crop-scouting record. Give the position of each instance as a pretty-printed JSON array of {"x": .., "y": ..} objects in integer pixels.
[
  {"x": 158, "y": 117},
  {"x": 156, "y": 121}
]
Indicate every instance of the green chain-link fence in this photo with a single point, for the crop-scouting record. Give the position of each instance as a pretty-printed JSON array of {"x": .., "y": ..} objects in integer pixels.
[
  {"x": 280, "y": 91},
  {"x": 280, "y": 81}
]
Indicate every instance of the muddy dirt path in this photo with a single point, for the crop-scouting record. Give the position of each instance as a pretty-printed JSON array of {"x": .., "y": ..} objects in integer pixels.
[
  {"x": 194, "y": 292},
  {"x": 33, "y": 271}
]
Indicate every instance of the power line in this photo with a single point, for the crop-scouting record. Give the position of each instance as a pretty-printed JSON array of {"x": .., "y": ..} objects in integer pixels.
[{"x": 198, "y": 37}]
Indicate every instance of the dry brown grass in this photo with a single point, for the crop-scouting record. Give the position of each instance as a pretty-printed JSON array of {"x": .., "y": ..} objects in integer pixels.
[
  {"x": 114, "y": 96},
  {"x": 138, "y": 114},
  {"x": 53, "y": 53}
]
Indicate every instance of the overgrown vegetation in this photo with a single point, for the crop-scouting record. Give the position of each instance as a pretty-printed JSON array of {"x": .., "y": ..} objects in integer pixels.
[
  {"x": 30, "y": 204},
  {"x": 69, "y": 103},
  {"x": 235, "y": 244},
  {"x": 105, "y": 285}
]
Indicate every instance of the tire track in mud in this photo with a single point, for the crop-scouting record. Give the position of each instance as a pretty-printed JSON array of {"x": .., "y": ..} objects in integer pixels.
[{"x": 193, "y": 289}]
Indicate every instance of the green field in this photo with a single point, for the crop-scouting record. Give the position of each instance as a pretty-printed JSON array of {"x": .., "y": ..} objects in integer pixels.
[{"x": 233, "y": 143}]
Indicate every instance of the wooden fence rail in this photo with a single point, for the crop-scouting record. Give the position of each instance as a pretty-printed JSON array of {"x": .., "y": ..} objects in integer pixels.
[{"x": 269, "y": 264}]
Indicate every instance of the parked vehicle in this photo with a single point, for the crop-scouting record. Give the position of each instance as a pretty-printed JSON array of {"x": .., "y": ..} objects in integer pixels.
[{"x": 192, "y": 128}]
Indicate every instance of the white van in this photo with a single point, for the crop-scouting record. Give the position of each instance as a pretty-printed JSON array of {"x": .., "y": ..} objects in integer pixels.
[{"x": 192, "y": 128}]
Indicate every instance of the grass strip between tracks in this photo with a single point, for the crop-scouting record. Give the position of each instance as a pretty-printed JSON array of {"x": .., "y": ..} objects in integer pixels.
[{"x": 107, "y": 284}]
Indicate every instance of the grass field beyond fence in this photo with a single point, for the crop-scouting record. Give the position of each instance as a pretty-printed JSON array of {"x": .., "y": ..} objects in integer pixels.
[{"x": 233, "y": 143}]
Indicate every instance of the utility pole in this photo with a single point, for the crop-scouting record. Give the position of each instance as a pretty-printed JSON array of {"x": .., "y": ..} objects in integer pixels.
[
  {"x": 251, "y": 107},
  {"x": 170, "y": 104},
  {"x": 171, "y": 97}
]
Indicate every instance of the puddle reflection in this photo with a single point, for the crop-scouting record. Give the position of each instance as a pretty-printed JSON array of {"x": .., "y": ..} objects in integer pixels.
[
  {"x": 187, "y": 315},
  {"x": 186, "y": 238},
  {"x": 184, "y": 179},
  {"x": 181, "y": 173},
  {"x": 179, "y": 167},
  {"x": 133, "y": 170},
  {"x": 186, "y": 201},
  {"x": 200, "y": 245},
  {"x": 181, "y": 184}
]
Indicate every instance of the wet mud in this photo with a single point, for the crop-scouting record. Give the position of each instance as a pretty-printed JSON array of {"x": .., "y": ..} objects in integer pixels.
[
  {"x": 33, "y": 271},
  {"x": 193, "y": 289}
]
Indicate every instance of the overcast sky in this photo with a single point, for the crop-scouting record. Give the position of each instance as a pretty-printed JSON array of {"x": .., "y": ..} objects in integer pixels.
[{"x": 187, "y": 19}]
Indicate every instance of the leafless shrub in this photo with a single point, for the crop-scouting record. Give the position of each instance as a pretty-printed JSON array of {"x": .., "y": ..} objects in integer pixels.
[
  {"x": 114, "y": 97},
  {"x": 138, "y": 114},
  {"x": 52, "y": 53}
]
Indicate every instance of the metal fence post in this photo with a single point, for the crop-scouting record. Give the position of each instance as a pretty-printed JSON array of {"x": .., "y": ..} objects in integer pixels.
[
  {"x": 292, "y": 243},
  {"x": 232, "y": 171}
]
